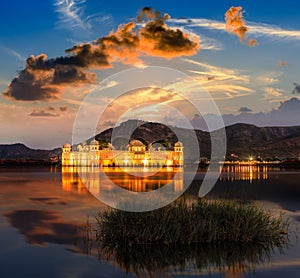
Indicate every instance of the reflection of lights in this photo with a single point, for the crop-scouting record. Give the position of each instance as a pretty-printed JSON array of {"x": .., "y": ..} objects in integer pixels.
[
  {"x": 90, "y": 179},
  {"x": 245, "y": 172},
  {"x": 71, "y": 181},
  {"x": 251, "y": 174}
]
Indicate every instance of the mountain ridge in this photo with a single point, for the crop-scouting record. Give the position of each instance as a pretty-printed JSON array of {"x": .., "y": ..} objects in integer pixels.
[{"x": 243, "y": 140}]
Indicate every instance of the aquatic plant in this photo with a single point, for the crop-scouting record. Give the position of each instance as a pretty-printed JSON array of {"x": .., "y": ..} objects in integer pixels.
[
  {"x": 206, "y": 235},
  {"x": 203, "y": 221}
]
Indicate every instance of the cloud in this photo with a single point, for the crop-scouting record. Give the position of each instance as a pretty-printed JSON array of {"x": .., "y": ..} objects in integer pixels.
[
  {"x": 41, "y": 227},
  {"x": 207, "y": 43},
  {"x": 150, "y": 101},
  {"x": 106, "y": 124},
  {"x": 245, "y": 110},
  {"x": 227, "y": 91},
  {"x": 211, "y": 72},
  {"x": 297, "y": 89},
  {"x": 31, "y": 85},
  {"x": 268, "y": 78},
  {"x": 51, "y": 108},
  {"x": 254, "y": 28},
  {"x": 70, "y": 13},
  {"x": 235, "y": 24},
  {"x": 49, "y": 111},
  {"x": 13, "y": 53},
  {"x": 273, "y": 31},
  {"x": 63, "y": 108},
  {"x": 50, "y": 201},
  {"x": 271, "y": 93},
  {"x": 286, "y": 114},
  {"x": 141, "y": 97},
  {"x": 42, "y": 113},
  {"x": 72, "y": 17},
  {"x": 222, "y": 83},
  {"x": 282, "y": 64},
  {"x": 44, "y": 79}
]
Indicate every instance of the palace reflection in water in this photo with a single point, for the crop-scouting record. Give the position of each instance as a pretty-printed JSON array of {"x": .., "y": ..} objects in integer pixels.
[
  {"x": 139, "y": 179},
  {"x": 97, "y": 179}
]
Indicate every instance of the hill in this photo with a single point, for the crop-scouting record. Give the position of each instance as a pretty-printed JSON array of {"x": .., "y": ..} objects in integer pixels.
[
  {"x": 20, "y": 152},
  {"x": 270, "y": 142},
  {"x": 243, "y": 140}
]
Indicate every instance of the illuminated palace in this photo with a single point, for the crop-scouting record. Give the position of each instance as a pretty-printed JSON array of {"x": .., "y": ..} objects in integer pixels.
[{"x": 136, "y": 155}]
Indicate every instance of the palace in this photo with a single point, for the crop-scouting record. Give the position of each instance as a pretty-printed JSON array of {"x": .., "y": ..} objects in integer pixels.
[{"x": 136, "y": 155}]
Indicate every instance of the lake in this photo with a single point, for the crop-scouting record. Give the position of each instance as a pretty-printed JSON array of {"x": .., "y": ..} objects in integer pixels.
[{"x": 45, "y": 212}]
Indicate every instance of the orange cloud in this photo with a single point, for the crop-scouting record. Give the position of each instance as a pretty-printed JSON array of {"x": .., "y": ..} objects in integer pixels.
[
  {"x": 45, "y": 79},
  {"x": 235, "y": 24},
  {"x": 282, "y": 64}
]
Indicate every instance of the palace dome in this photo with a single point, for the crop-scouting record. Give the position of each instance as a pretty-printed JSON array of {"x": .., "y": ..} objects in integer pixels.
[
  {"x": 66, "y": 145},
  {"x": 178, "y": 144},
  {"x": 94, "y": 142},
  {"x": 136, "y": 143}
]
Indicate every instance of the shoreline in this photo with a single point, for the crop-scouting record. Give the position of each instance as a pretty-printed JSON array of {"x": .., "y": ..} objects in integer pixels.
[{"x": 42, "y": 162}]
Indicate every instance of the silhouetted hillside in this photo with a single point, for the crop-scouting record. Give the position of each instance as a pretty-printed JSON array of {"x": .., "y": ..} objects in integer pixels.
[
  {"x": 242, "y": 140},
  {"x": 20, "y": 151}
]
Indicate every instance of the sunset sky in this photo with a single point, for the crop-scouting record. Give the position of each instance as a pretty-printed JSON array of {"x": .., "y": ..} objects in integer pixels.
[{"x": 248, "y": 62}]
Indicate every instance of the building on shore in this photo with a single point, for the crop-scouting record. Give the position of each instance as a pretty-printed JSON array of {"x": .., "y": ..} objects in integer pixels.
[{"x": 136, "y": 155}]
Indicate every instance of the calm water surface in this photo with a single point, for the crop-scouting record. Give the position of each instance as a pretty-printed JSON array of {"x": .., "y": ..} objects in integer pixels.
[{"x": 44, "y": 211}]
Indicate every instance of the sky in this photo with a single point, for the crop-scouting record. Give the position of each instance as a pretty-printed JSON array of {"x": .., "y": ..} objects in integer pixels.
[{"x": 243, "y": 54}]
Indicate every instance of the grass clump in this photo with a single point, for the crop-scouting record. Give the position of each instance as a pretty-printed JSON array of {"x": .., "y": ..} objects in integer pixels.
[{"x": 213, "y": 222}]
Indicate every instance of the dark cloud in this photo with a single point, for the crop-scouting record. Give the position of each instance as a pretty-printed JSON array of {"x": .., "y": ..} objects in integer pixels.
[
  {"x": 50, "y": 201},
  {"x": 157, "y": 39},
  {"x": 72, "y": 74},
  {"x": 245, "y": 110},
  {"x": 32, "y": 85},
  {"x": 49, "y": 111},
  {"x": 235, "y": 24},
  {"x": 290, "y": 106},
  {"x": 147, "y": 13},
  {"x": 44, "y": 226},
  {"x": 42, "y": 113},
  {"x": 297, "y": 89},
  {"x": 63, "y": 108},
  {"x": 51, "y": 108},
  {"x": 44, "y": 79},
  {"x": 286, "y": 114},
  {"x": 211, "y": 78}
]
